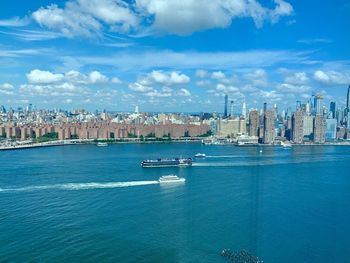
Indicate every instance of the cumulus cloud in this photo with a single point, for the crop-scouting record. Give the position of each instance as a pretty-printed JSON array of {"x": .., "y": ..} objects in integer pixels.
[
  {"x": 200, "y": 73},
  {"x": 164, "y": 78},
  {"x": 6, "y": 89},
  {"x": 332, "y": 77},
  {"x": 184, "y": 92},
  {"x": 138, "y": 87},
  {"x": 257, "y": 78},
  {"x": 97, "y": 77},
  {"x": 91, "y": 17},
  {"x": 62, "y": 89},
  {"x": 116, "y": 80},
  {"x": 37, "y": 76},
  {"x": 218, "y": 75},
  {"x": 290, "y": 88},
  {"x": 297, "y": 78}
]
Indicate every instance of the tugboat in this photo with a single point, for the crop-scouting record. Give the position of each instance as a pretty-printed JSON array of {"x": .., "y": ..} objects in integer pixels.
[
  {"x": 167, "y": 162},
  {"x": 102, "y": 144},
  {"x": 171, "y": 179}
]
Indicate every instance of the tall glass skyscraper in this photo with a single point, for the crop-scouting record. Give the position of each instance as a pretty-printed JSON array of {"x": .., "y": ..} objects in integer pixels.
[{"x": 226, "y": 105}]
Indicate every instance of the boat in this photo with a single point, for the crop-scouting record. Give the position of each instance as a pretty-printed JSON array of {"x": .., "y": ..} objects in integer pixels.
[
  {"x": 171, "y": 179},
  {"x": 167, "y": 162},
  {"x": 200, "y": 155},
  {"x": 102, "y": 144},
  {"x": 286, "y": 144}
]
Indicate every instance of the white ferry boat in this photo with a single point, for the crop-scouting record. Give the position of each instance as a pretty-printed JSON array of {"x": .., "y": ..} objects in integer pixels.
[
  {"x": 171, "y": 179},
  {"x": 102, "y": 144},
  {"x": 200, "y": 155}
]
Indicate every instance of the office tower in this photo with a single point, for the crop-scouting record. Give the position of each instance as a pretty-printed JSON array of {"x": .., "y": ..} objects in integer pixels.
[
  {"x": 308, "y": 107},
  {"x": 265, "y": 107},
  {"x": 340, "y": 115},
  {"x": 318, "y": 104},
  {"x": 226, "y": 105},
  {"x": 297, "y": 127},
  {"x": 348, "y": 99},
  {"x": 231, "y": 108},
  {"x": 331, "y": 129},
  {"x": 298, "y": 106},
  {"x": 319, "y": 129},
  {"x": 253, "y": 123},
  {"x": 244, "y": 109},
  {"x": 308, "y": 125},
  {"x": 275, "y": 111},
  {"x": 269, "y": 128},
  {"x": 332, "y": 109}
]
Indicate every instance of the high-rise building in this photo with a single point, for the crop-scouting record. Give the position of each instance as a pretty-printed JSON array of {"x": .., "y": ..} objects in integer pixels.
[
  {"x": 319, "y": 129},
  {"x": 244, "y": 109},
  {"x": 226, "y": 105},
  {"x": 331, "y": 129},
  {"x": 318, "y": 104},
  {"x": 332, "y": 109},
  {"x": 231, "y": 108},
  {"x": 265, "y": 107},
  {"x": 297, "y": 127},
  {"x": 253, "y": 123},
  {"x": 269, "y": 128},
  {"x": 348, "y": 99},
  {"x": 308, "y": 125}
]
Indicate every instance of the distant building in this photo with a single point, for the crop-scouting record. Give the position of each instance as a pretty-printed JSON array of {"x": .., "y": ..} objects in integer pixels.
[
  {"x": 231, "y": 127},
  {"x": 331, "y": 129},
  {"x": 308, "y": 125},
  {"x": 226, "y": 105},
  {"x": 269, "y": 128},
  {"x": 297, "y": 127},
  {"x": 319, "y": 129},
  {"x": 318, "y": 104},
  {"x": 253, "y": 123},
  {"x": 332, "y": 109}
]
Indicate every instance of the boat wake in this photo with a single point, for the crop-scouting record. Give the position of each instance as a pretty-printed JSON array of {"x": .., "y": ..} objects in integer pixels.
[{"x": 77, "y": 186}]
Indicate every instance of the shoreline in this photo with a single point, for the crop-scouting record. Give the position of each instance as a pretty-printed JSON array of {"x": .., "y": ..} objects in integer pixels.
[{"x": 94, "y": 142}]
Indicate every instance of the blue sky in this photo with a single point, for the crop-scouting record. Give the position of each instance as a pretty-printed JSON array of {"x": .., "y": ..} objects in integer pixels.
[{"x": 172, "y": 55}]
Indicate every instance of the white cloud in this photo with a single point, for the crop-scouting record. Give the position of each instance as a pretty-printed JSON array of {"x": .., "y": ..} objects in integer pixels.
[
  {"x": 218, "y": 75},
  {"x": 297, "y": 78},
  {"x": 332, "y": 77},
  {"x": 139, "y": 87},
  {"x": 116, "y": 80},
  {"x": 226, "y": 89},
  {"x": 184, "y": 93},
  {"x": 257, "y": 78},
  {"x": 6, "y": 86},
  {"x": 97, "y": 77},
  {"x": 91, "y": 17},
  {"x": 165, "y": 78},
  {"x": 14, "y": 22},
  {"x": 290, "y": 88},
  {"x": 37, "y": 76},
  {"x": 186, "y": 17},
  {"x": 62, "y": 89}
]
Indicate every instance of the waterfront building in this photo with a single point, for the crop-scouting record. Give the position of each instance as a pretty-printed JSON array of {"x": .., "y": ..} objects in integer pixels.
[
  {"x": 254, "y": 123},
  {"x": 244, "y": 109},
  {"x": 308, "y": 125},
  {"x": 331, "y": 129},
  {"x": 269, "y": 128},
  {"x": 297, "y": 127},
  {"x": 231, "y": 127},
  {"x": 318, "y": 104},
  {"x": 319, "y": 129}
]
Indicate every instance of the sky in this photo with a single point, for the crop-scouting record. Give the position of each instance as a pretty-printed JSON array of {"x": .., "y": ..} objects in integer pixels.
[{"x": 171, "y": 55}]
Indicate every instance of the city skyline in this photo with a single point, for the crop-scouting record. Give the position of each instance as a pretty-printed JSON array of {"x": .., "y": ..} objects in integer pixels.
[{"x": 137, "y": 53}]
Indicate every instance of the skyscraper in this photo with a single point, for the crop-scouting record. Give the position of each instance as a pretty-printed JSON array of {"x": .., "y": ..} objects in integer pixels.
[
  {"x": 319, "y": 129},
  {"x": 244, "y": 109},
  {"x": 318, "y": 104},
  {"x": 332, "y": 108},
  {"x": 253, "y": 123},
  {"x": 226, "y": 105},
  {"x": 297, "y": 127},
  {"x": 348, "y": 99},
  {"x": 265, "y": 107},
  {"x": 231, "y": 108},
  {"x": 269, "y": 128}
]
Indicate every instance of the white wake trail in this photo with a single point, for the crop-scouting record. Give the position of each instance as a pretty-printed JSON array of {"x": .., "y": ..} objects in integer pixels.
[{"x": 78, "y": 186}]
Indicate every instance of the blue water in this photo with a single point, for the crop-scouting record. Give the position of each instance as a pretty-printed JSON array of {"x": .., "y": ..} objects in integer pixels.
[{"x": 96, "y": 204}]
